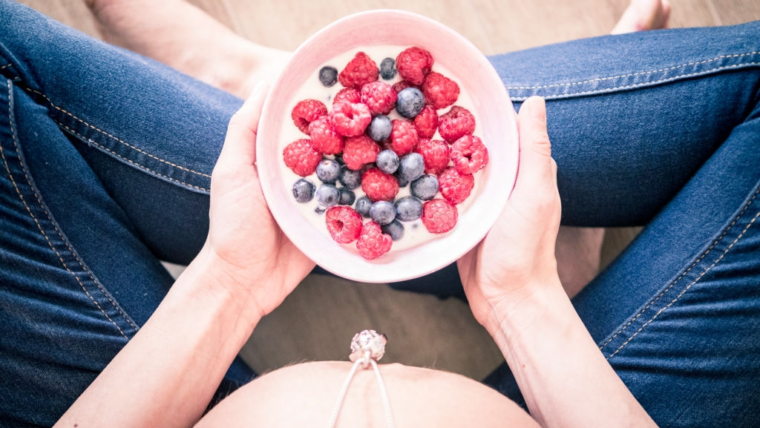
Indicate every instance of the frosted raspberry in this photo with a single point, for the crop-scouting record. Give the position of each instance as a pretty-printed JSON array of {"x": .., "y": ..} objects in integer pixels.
[
  {"x": 379, "y": 186},
  {"x": 324, "y": 139},
  {"x": 455, "y": 186},
  {"x": 379, "y": 97},
  {"x": 413, "y": 64},
  {"x": 439, "y": 90},
  {"x": 344, "y": 224},
  {"x": 469, "y": 154},
  {"x": 455, "y": 124},
  {"x": 403, "y": 136},
  {"x": 426, "y": 122},
  {"x": 349, "y": 95},
  {"x": 307, "y": 111},
  {"x": 358, "y": 151},
  {"x": 435, "y": 153},
  {"x": 372, "y": 242},
  {"x": 301, "y": 157},
  {"x": 439, "y": 216},
  {"x": 359, "y": 71},
  {"x": 350, "y": 120},
  {"x": 400, "y": 86}
]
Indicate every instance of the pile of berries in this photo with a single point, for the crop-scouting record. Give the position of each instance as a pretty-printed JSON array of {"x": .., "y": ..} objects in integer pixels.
[{"x": 358, "y": 145}]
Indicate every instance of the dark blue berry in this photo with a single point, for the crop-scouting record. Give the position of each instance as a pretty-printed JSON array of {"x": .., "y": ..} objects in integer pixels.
[
  {"x": 395, "y": 229},
  {"x": 347, "y": 197},
  {"x": 382, "y": 212},
  {"x": 425, "y": 187},
  {"x": 320, "y": 210},
  {"x": 410, "y": 102},
  {"x": 328, "y": 195},
  {"x": 380, "y": 128},
  {"x": 388, "y": 70},
  {"x": 303, "y": 190},
  {"x": 328, "y": 171},
  {"x": 402, "y": 182},
  {"x": 363, "y": 206},
  {"x": 411, "y": 166},
  {"x": 350, "y": 179},
  {"x": 387, "y": 161},
  {"x": 408, "y": 208},
  {"x": 328, "y": 75}
]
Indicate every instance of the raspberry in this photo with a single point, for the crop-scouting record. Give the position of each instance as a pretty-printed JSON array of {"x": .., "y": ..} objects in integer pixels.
[
  {"x": 439, "y": 90},
  {"x": 439, "y": 216},
  {"x": 359, "y": 71},
  {"x": 455, "y": 124},
  {"x": 349, "y": 95},
  {"x": 324, "y": 139},
  {"x": 379, "y": 186},
  {"x": 403, "y": 136},
  {"x": 358, "y": 151},
  {"x": 301, "y": 157},
  {"x": 379, "y": 97},
  {"x": 455, "y": 186},
  {"x": 344, "y": 224},
  {"x": 400, "y": 86},
  {"x": 372, "y": 242},
  {"x": 350, "y": 120},
  {"x": 307, "y": 111},
  {"x": 413, "y": 64},
  {"x": 426, "y": 122},
  {"x": 435, "y": 153},
  {"x": 469, "y": 154}
]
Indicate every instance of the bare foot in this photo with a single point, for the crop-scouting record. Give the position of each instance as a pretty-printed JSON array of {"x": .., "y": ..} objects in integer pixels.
[
  {"x": 184, "y": 37},
  {"x": 643, "y": 15}
]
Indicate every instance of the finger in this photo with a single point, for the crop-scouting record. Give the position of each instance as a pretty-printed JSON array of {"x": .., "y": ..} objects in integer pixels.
[
  {"x": 535, "y": 169},
  {"x": 240, "y": 142}
]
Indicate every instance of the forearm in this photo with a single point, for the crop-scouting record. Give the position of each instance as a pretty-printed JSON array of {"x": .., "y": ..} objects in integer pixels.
[
  {"x": 563, "y": 376},
  {"x": 166, "y": 375}
]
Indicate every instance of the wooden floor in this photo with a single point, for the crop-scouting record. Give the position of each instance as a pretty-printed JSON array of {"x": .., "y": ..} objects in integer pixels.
[{"x": 318, "y": 320}]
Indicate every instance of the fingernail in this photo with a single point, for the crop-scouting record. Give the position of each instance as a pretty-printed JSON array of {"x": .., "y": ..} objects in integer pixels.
[{"x": 538, "y": 109}]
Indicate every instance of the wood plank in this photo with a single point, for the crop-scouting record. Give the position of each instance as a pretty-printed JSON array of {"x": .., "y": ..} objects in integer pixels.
[{"x": 732, "y": 12}]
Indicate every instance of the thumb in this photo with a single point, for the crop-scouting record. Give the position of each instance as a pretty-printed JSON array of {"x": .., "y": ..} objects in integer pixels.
[
  {"x": 536, "y": 169},
  {"x": 239, "y": 144}
]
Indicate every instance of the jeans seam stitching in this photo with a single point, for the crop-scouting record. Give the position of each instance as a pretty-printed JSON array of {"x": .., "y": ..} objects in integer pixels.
[
  {"x": 117, "y": 139},
  {"x": 635, "y": 74},
  {"x": 5, "y": 66},
  {"x": 720, "y": 238}
]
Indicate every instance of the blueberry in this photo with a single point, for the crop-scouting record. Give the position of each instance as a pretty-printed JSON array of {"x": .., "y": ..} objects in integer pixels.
[
  {"x": 350, "y": 179},
  {"x": 382, "y": 212},
  {"x": 303, "y": 190},
  {"x": 408, "y": 209},
  {"x": 395, "y": 229},
  {"x": 319, "y": 210},
  {"x": 388, "y": 69},
  {"x": 425, "y": 187},
  {"x": 328, "y": 171},
  {"x": 347, "y": 197},
  {"x": 410, "y": 102},
  {"x": 328, "y": 75},
  {"x": 380, "y": 128},
  {"x": 402, "y": 182},
  {"x": 328, "y": 195},
  {"x": 387, "y": 161},
  {"x": 411, "y": 167},
  {"x": 363, "y": 206}
]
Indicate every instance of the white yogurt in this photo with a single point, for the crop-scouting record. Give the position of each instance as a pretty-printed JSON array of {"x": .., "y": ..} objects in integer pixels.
[{"x": 415, "y": 232}]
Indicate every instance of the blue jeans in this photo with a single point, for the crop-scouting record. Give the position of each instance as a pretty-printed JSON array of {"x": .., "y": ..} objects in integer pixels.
[{"x": 106, "y": 163}]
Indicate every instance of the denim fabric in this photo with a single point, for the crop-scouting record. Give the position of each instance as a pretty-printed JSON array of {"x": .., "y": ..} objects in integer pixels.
[{"x": 106, "y": 158}]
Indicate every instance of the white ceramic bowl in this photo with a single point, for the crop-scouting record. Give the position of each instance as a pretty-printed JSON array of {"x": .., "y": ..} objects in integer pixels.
[{"x": 496, "y": 126}]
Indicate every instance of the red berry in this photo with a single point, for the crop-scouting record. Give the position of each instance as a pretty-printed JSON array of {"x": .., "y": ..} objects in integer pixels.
[
  {"x": 439, "y": 216},
  {"x": 469, "y": 154},
  {"x": 350, "y": 120},
  {"x": 379, "y": 186},
  {"x": 435, "y": 153},
  {"x": 359, "y": 71},
  {"x": 372, "y": 242},
  {"x": 455, "y": 124},
  {"x": 358, "y": 151},
  {"x": 349, "y": 95},
  {"x": 403, "y": 136},
  {"x": 439, "y": 90},
  {"x": 426, "y": 122},
  {"x": 413, "y": 64},
  {"x": 344, "y": 224},
  {"x": 400, "y": 86},
  {"x": 379, "y": 97},
  {"x": 307, "y": 111},
  {"x": 324, "y": 139},
  {"x": 301, "y": 157},
  {"x": 455, "y": 186}
]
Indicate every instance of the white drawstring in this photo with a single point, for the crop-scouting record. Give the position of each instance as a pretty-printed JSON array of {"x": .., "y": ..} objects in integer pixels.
[{"x": 344, "y": 390}]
